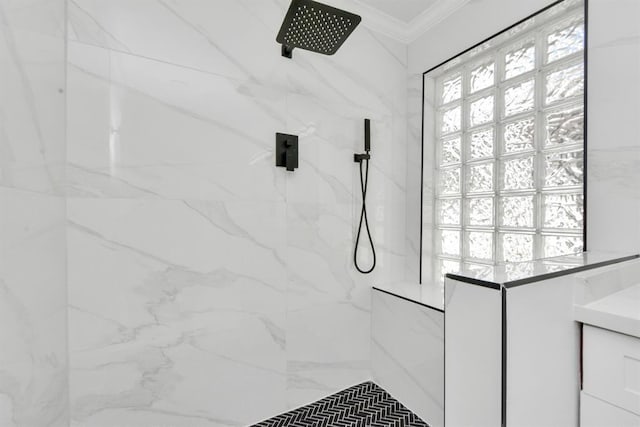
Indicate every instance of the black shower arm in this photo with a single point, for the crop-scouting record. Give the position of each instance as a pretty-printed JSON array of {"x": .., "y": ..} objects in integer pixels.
[{"x": 287, "y": 51}]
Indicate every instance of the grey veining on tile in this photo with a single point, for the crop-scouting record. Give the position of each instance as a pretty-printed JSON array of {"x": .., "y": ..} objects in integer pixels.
[
  {"x": 82, "y": 23},
  {"x": 198, "y": 238},
  {"x": 157, "y": 269},
  {"x": 184, "y": 313}
]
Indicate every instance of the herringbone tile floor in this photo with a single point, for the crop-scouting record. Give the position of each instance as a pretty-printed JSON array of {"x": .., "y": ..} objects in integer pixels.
[{"x": 363, "y": 405}]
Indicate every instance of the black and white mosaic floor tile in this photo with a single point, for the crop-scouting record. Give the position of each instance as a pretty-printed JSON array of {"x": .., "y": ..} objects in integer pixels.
[{"x": 363, "y": 405}]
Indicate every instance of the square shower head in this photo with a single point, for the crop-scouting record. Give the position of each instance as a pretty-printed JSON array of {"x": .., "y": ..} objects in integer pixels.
[{"x": 316, "y": 27}]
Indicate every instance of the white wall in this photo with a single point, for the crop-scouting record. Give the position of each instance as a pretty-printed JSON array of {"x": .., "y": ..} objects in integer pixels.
[
  {"x": 473, "y": 354},
  {"x": 207, "y": 287},
  {"x": 613, "y": 153},
  {"x": 33, "y": 356},
  {"x": 613, "y": 146}
]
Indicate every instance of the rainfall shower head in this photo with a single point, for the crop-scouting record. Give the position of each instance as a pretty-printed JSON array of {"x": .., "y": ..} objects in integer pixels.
[{"x": 316, "y": 27}]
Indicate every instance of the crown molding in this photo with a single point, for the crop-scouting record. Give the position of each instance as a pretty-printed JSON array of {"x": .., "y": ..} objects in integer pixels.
[
  {"x": 432, "y": 17},
  {"x": 381, "y": 22},
  {"x": 397, "y": 29}
]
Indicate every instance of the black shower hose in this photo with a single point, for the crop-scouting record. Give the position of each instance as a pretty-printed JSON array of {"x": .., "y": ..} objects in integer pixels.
[{"x": 364, "y": 181}]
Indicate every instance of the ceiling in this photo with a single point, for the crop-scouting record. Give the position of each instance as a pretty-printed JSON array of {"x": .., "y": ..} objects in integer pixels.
[
  {"x": 404, "y": 10},
  {"x": 403, "y": 20}
]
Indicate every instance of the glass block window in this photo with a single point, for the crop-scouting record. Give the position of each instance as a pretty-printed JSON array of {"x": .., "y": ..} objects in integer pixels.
[{"x": 507, "y": 123}]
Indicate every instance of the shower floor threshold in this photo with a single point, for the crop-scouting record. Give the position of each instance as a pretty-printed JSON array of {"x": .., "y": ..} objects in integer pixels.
[{"x": 362, "y": 405}]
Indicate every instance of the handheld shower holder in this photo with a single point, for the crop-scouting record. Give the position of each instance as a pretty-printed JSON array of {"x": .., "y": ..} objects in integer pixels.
[
  {"x": 358, "y": 158},
  {"x": 363, "y": 160}
]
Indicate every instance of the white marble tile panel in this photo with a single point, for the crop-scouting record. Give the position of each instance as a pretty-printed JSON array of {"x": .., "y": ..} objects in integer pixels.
[
  {"x": 32, "y": 131},
  {"x": 180, "y": 305},
  {"x": 327, "y": 305},
  {"x": 194, "y": 34},
  {"x": 613, "y": 129},
  {"x": 327, "y": 350},
  {"x": 88, "y": 107},
  {"x": 38, "y": 16},
  {"x": 388, "y": 151},
  {"x": 193, "y": 372},
  {"x": 397, "y": 142},
  {"x": 386, "y": 221},
  {"x": 33, "y": 393},
  {"x": 200, "y": 237},
  {"x": 319, "y": 254},
  {"x": 365, "y": 72},
  {"x": 243, "y": 115},
  {"x": 180, "y": 135},
  {"x": 408, "y": 354},
  {"x": 32, "y": 300},
  {"x": 33, "y": 337}
]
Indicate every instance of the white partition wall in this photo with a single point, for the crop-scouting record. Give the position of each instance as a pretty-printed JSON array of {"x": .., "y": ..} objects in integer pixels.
[
  {"x": 473, "y": 354},
  {"x": 543, "y": 355},
  {"x": 512, "y": 346}
]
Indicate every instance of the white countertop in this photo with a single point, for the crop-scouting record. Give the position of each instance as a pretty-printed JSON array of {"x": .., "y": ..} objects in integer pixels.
[
  {"x": 509, "y": 274},
  {"x": 618, "y": 312}
]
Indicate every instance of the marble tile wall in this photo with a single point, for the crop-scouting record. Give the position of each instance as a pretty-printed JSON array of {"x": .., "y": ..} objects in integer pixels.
[
  {"x": 613, "y": 147},
  {"x": 408, "y": 354},
  {"x": 33, "y": 345},
  {"x": 207, "y": 287},
  {"x": 170, "y": 176}
]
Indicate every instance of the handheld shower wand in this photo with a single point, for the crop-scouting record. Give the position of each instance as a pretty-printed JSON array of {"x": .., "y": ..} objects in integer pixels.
[{"x": 364, "y": 181}]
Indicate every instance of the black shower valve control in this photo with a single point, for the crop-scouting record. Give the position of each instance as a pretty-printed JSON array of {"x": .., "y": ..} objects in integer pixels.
[
  {"x": 287, "y": 151},
  {"x": 358, "y": 158}
]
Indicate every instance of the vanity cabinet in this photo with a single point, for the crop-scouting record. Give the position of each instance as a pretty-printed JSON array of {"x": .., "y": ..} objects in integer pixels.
[{"x": 611, "y": 384}]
